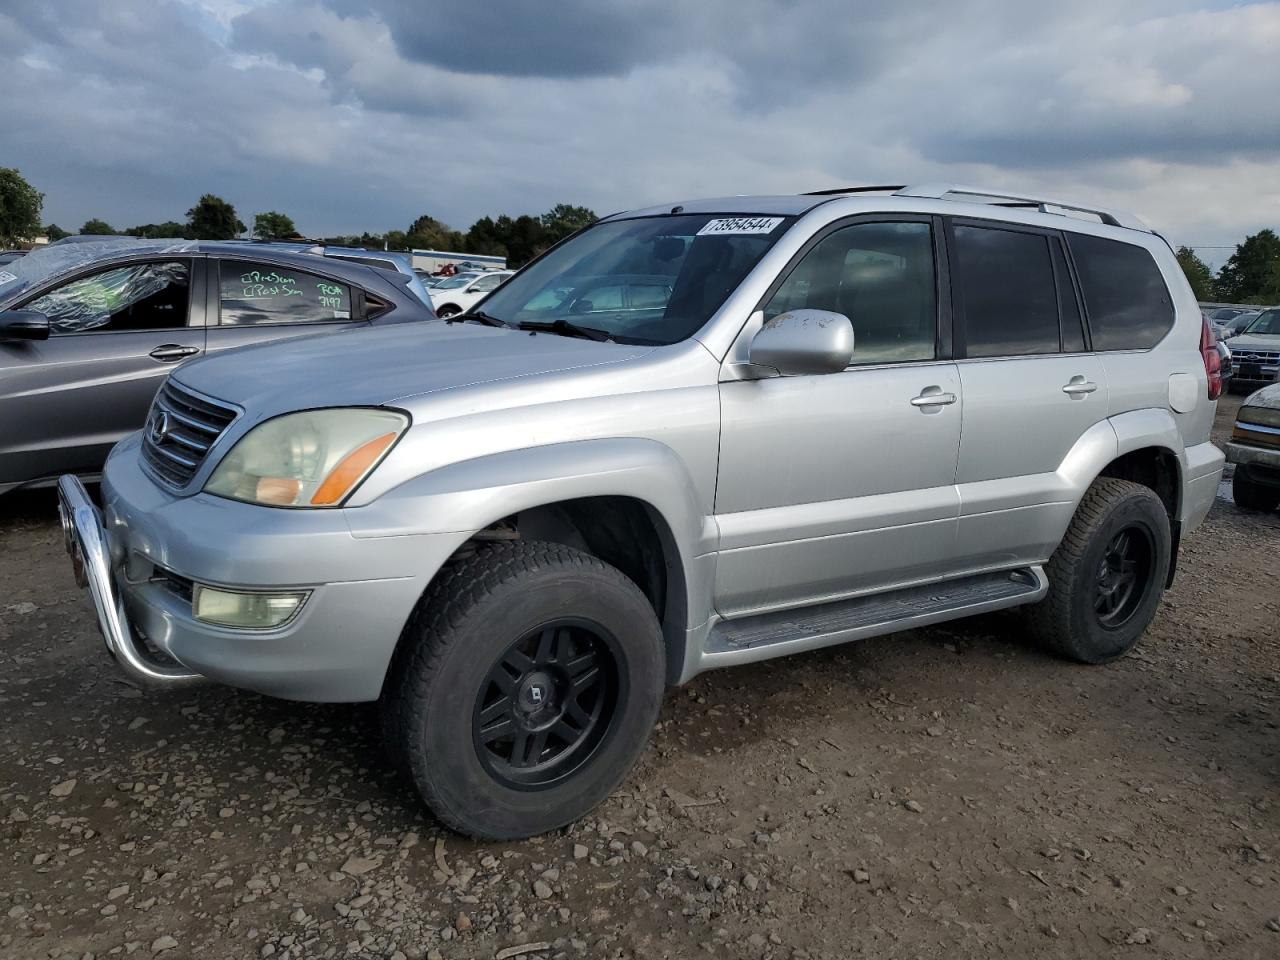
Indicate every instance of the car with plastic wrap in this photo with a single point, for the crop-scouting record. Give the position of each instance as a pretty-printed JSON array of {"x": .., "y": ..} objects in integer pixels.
[
  {"x": 88, "y": 332},
  {"x": 784, "y": 422}
]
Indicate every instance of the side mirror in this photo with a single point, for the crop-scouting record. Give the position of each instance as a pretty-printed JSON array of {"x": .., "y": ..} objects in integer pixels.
[
  {"x": 23, "y": 325},
  {"x": 804, "y": 341}
]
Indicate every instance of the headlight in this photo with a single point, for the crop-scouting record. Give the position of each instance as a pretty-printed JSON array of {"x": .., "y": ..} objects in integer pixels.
[{"x": 310, "y": 459}]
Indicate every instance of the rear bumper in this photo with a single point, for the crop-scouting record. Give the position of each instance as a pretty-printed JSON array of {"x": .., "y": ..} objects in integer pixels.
[
  {"x": 337, "y": 647},
  {"x": 1203, "y": 465}
]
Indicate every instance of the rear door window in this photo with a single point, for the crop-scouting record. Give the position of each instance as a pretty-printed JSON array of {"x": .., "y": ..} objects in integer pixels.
[
  {"x": 1004, "y": 284},
  {"x": 139, "y": 296},
  {"x": 1126, "y": 300},
  {"x": 263, "y": 293}
]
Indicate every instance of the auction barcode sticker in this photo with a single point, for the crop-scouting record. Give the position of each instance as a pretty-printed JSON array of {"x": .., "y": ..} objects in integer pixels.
[{"x": 740, "y": 225}]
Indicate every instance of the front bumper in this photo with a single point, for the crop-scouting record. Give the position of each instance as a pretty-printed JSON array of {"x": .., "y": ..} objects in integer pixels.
[{"x": 145, "y": 541}]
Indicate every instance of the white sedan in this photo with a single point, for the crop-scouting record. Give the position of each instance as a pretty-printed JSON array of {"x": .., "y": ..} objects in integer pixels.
[{"x": 456, "y": 294}]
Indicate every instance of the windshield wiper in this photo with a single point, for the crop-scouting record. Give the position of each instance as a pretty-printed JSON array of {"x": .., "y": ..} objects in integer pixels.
[
  {"x": 477, "y": 316},
  {"x": 567, "y": 328}
]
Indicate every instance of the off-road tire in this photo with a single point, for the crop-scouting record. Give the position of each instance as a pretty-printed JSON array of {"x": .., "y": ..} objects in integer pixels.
[
  {"x": 1066, "y": 621},
  {"x": 473, "y": 612},
  {"x": 1251, "y": 495}
]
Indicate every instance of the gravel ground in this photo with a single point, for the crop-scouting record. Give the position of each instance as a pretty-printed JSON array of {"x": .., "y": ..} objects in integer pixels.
[{"x": 949, "y": 792}]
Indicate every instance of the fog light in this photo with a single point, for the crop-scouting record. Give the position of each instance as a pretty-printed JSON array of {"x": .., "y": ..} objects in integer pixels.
[{"x": 255, "y": 611}]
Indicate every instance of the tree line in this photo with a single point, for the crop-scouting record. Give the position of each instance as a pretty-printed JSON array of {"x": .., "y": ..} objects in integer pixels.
[
  {"x": 1251, "y": 275},
  {"x": 519, "y": 238}
]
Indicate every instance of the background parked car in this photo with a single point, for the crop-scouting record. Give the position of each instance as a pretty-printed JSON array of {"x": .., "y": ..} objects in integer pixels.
[
  {"x": 1255, "y": 450},
  {"x": 88, "y": 332},
  {"x": 8, "y": 256},
  {"x": 1225, "y": 329},
  {"x": 1255, "y": 352},
  {"x": 460, "y": 292}
]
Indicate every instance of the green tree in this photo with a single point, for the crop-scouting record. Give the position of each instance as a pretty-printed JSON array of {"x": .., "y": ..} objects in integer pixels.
[
  {"x": 1246, "y": 277},
  {"x": 1198, "y": 273},
  {"x": 170, "y": 229},
  {"x": 273, "y": 226},
  {"x": 564, "y": 219},
  {"x": 20, "y": 205},
  {"x": 212, "y": 218},
  {"x": 55, "y": 232},
  {"x": 94, "y": 227},
  {"x": 429, "y": 233},
  {"x": 484, "y": 237}
]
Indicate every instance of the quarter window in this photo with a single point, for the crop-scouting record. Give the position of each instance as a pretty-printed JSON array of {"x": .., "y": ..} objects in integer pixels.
[
  {"x": 141, "y": 296},
  {"x": 880, "y": 276},
  {"x": 1004, "y": 281},
  {"x": 1126, "y": 299},
  {"x": 253, "y": 293}
]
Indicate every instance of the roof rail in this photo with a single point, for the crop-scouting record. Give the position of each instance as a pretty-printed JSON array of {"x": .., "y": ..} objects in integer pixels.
[
  {"x": 944, "y": 191},
  {"x": 836, "y": 191}
]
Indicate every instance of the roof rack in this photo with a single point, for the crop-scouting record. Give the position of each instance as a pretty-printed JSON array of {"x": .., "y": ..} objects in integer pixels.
[
  {"x": 946, "y": 191},
  {"x": 836, "y": 191}
]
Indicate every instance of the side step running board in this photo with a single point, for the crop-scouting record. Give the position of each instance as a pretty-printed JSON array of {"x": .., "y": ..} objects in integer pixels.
[{"x": 784, "y": 632}]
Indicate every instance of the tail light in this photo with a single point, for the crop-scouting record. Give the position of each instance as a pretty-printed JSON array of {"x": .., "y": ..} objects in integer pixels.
[{"x": 1212, "y": 359}]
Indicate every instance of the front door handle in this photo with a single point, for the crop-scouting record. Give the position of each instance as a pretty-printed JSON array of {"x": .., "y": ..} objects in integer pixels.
[
  {"x": 1078, "y": 386},
  {"x": 169, "y": 352},
  {"x": 933, "y": 397}
]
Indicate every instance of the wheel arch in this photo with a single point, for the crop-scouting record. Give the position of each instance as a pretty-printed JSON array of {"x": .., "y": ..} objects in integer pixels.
[
  {"x": 1142, "y": 446},
  {"x": 629, "y": 501}
]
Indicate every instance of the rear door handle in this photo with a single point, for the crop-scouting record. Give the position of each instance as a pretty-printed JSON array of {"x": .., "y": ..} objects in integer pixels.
[
  {"x": 933, "y": 397},
  {"x": 1079, "y": 386},
  {"x": 169, "y": 352}
]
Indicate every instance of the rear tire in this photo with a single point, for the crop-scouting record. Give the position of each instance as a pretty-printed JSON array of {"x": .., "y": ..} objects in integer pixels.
[
  {"x": 1251, "y": 495},
  {"x": 1107, "y": 575},
  {"x": 524, "y": 688}
]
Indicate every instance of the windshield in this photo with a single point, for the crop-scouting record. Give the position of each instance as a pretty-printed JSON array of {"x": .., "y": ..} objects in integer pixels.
[
  {"x": 654, "y": 280},
  {"x": 1267, "y": 324},
  {"x": 453, "y": 282},
  {"x": 45, "y": 263}
]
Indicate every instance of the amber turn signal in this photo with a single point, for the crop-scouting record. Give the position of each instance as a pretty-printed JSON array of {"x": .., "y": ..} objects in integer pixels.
[{"x": 350, "y": 469}]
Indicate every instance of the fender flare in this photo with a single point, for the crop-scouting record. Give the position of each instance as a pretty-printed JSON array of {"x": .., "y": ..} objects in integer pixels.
[{"x": 463, "y": 498}]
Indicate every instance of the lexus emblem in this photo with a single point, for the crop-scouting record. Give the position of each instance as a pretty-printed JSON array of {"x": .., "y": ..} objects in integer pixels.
[{"x": 159, "y": 426}]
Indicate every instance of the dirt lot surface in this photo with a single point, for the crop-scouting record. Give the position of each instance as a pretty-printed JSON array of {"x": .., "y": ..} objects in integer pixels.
[{"x": 949, "y": 792}]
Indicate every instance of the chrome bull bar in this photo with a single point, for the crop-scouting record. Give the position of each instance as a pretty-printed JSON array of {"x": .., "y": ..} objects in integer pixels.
[{"x": 86, "y": 543}]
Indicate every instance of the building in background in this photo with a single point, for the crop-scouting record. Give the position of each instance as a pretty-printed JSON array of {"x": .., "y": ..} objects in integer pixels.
[{"x": 433, "y": 261}]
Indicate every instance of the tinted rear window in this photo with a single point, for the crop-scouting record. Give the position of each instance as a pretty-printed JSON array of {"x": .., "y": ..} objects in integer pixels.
[
  {"x": 1005, "y": 282},
  {"x": 1128, "y": 304}
]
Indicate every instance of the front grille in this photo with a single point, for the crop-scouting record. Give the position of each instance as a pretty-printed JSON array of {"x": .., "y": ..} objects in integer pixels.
[
  {"x": 1245, "y": 355},
  {"x": 180, "y": 429}
]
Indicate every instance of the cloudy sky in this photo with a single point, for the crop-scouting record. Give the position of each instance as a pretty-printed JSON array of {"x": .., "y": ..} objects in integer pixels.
[{"x": 361, "y": 114}]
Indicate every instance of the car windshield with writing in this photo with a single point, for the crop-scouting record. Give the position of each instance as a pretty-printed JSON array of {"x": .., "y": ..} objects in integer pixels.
[
  {"x": 652, "y": 280},
  {"x": 1267, "y": 324}
]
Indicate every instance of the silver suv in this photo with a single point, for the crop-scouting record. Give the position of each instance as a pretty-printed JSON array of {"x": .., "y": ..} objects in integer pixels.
[{"x": 691, "y": 436}]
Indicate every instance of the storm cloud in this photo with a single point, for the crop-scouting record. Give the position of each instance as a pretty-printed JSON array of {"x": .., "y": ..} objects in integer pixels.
[{"x": 362, "y": 114}]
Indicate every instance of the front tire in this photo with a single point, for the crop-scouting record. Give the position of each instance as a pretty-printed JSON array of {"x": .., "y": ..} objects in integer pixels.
[
  {"x": 1251, "y": 495},
  {"x": 447, "y": 311},
  {"x": 525, "y": 688},
  {"x": 1107, "y": 575}
]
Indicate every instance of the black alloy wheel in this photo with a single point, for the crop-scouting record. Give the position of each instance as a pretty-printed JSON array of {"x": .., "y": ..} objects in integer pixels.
[
  {"x": 1124, "y": 575},
  {"x": 546, "y": 704}
]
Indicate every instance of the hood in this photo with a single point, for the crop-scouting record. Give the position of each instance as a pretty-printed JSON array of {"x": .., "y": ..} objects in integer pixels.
[
  {"x": 1267, "y": 397},
  {"x": 1253, "y": 341},
  {"x": 377, "y": 366}
]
